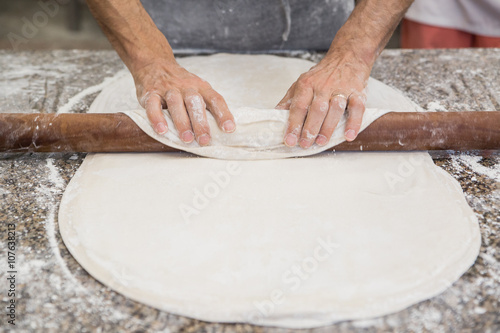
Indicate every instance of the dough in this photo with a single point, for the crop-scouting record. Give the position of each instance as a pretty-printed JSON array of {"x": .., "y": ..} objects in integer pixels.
[
  {"x": 252, "y": 86},
  {"x": 298, "y": 242}
]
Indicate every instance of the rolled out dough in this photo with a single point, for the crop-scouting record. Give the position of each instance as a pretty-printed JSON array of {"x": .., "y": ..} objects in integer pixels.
[{"x": 298, "y": 242}]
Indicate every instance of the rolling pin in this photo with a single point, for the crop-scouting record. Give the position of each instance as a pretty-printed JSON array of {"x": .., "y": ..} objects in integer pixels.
[{"x": 116, "y": 132}]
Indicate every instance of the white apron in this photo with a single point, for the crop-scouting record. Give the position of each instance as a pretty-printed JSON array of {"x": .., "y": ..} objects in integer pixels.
[{"x": 480, "y": 17}]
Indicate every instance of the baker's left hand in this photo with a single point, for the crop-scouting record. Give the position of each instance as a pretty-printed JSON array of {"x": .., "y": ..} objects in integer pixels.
[{"x": 319, "y": 98}]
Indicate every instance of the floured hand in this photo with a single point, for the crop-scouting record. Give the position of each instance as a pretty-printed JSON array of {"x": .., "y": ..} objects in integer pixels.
[
  {"x": 320, "y": 97},
  {"x": 165, "y": 84}
]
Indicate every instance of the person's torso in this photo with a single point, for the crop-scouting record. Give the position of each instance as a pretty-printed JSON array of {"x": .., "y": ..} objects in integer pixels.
[{"x": 249, "y": 25}]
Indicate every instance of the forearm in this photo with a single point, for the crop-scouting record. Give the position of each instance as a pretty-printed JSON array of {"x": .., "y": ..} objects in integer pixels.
[
  {"x": 337, "y": 84},
  {"x": 369, "y": 28},
  {"x": 131, "y": 31}
]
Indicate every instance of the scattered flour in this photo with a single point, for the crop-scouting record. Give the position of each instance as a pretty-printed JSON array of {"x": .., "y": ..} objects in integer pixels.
[
  {"x": 48, "y": 196},
  {"x": 3, "y": 191},
  {"x": 473, "y": 163},
  {"x": 66, "y": 108},
  {"x": 435, "y": 106},
  {"x": 14, "y": 78}
]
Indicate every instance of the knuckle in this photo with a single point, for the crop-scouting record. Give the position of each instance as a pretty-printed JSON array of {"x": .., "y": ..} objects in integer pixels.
[
  {"x": 339, "y": 102},
  {"x": 303, "y": 83},
  {"x": 304, "y": 79},
  {"x": 356, "y": 108},
  {"x": 172, "y": 96},
  {"x": 200, "y": 84},
  {"x": 216, "y": 100},
  {"x": 358, "y": 99},
  {"x": 150, "y": 100},
  {"x": 145, "y": 97},
  {"x": 188, "y": 92},
  {"x": 285, "y": 102},
  {"x": 196, "y": 108},
  {"x": 299, "y": 109},
  {"x": 321, "y": 108},
  {"x": 299, "y": 106},
  {"x": 296, "y": 129},
  {"x": 205, "y": 85},
  {"x": 194, "y": 100}
]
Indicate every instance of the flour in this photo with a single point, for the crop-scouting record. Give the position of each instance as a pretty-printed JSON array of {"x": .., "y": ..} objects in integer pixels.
[
  {"x": 14, "y": 77},
  {"x": 88, "y": 91},
  {"x": 288, "y": 17},
  {"x": 47, "y": 193},
  {"x": 58, "y": 278},
  {"x": 435, "y": 106},
  {"x": 473, "y": 163}
]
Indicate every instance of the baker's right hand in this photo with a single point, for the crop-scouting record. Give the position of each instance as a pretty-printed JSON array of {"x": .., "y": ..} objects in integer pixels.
[{"x": 165, "y": 84}]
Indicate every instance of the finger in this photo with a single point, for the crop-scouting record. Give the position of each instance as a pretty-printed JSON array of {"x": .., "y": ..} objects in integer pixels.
[
  {"x": 218, "y": 108},
  {"x": 315, "y": 118},
  {"x": 152, "y": 102},
  {"x": 355, "y": 110},
  {"x": 337, "y": 108},
  {"x": 177, "y": 110},
  {"x": 197, "y": 114},
  {"x": 286, "y": 101},
  {"x": 298, "y": 111}
]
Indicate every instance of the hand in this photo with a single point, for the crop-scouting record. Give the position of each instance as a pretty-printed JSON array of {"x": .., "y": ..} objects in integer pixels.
[
  {"x": 320, "y": 96},
  {"x": 165, "y": 84}
]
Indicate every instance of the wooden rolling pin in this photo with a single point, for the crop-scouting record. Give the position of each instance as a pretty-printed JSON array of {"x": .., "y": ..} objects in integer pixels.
[{"x": 115, "y": 132}]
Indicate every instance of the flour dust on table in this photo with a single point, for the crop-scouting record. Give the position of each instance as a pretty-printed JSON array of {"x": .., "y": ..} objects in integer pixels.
[{"x": 251, "y": 235}]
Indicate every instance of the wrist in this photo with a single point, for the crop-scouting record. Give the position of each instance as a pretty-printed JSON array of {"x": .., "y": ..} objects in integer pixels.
[
  {"x": 144, "y": 58},
  {"x": 360, "y": 58},
  {"x": 140, "y": 45},
  {"x": 368, "y": 29},
  {"x": 354, "y": 49}
]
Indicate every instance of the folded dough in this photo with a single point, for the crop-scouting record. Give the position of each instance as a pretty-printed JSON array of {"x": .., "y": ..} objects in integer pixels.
[{"x": 252, "y": 86}]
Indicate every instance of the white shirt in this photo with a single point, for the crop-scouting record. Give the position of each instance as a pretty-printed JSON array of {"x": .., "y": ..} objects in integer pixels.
[{"x": 480, "y": 17}]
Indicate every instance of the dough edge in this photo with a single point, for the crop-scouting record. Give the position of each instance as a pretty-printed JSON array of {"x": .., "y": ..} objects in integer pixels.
[{"x": 431, "y": 288}]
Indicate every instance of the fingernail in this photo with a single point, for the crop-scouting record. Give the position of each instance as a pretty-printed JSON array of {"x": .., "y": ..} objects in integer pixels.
[
  {"x": 204, "y": 139},
  {"x": 188, "y": 137},
  {"x": 305, "y": 143},
  {"x": 350, "y": 135},
  {"x": 161, "y": 128},
  {"x": 321, "y": 140},
  {"x": 291, "y": 140},
  {"x": 229, "y": 126}
]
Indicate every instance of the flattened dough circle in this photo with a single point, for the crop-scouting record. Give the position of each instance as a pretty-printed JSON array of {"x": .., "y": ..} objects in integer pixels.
[{"x": 286, "y": 242}]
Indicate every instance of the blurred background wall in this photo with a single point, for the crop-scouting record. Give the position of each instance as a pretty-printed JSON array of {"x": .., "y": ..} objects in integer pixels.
[
  {"x": 61, "y": 24},
  {"x": 58, "y": 24}
]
